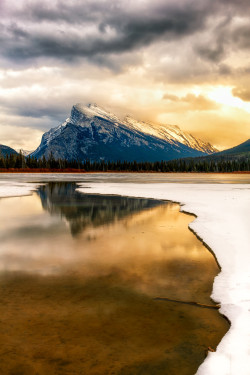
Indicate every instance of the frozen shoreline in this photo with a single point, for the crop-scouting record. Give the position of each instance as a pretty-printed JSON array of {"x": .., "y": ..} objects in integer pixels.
[{"x": 223, "y": 222}]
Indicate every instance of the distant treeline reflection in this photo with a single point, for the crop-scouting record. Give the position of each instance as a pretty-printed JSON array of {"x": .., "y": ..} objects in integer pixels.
[{"x": 19, "y": 161}]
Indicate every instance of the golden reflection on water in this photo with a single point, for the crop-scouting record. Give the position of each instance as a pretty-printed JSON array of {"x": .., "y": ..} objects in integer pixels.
[{"x": 78, "y": 279}]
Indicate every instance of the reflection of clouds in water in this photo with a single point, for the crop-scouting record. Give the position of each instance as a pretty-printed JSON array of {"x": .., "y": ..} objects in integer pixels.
[{"x": 148, "y": 250}]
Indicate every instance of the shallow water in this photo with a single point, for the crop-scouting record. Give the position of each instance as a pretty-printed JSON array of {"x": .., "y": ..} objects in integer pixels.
[{"x": 78, "y": 278}]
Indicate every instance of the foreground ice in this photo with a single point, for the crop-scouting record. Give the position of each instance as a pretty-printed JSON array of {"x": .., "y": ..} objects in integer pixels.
[
  {"x": 10, "y": 188},
  {"x": 223, "y": 222}
]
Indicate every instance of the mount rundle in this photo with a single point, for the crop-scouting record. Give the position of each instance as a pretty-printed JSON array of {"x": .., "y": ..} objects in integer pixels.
[{"x": 93, "y": 133}]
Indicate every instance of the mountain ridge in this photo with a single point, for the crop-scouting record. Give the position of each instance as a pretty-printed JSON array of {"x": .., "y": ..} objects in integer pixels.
[
  {"x": 91, "y": 132},
  {"x": 233, "y": 153},
  {"x": 241, "y": 150},
  {"x": 173, "y": 132}
]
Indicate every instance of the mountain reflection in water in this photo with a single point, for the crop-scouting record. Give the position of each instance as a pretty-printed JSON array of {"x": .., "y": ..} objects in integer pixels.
[
  {"x": 83, "y": 211},
  {"x": 78, "y": 278}
]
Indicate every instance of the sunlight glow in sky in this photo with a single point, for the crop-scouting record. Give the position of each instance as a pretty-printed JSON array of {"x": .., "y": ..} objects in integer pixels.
[{"x": 223, "y": 95}]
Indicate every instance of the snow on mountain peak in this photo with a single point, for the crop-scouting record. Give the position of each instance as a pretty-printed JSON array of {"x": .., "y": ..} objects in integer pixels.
[
  {"x": 171, "y": 133},
  {"x": 93, "y": 110}
]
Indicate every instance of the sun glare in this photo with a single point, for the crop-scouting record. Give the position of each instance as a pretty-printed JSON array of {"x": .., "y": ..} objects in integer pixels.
[{"x": 223, "y": 95}]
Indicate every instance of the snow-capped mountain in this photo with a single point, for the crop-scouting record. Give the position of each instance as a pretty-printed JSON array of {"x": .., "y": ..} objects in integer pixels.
[
  {"x": 93, "y": 133},
  {"x": 170, "y": 133}
]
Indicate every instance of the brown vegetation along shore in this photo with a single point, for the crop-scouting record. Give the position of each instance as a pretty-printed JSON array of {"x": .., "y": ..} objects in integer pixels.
[
  {"x": 76, "y": 170},
  {"x": 41, "y": 170}
]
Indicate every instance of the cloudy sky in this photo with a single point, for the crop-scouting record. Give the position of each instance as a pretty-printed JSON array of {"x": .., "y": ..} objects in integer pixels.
[{"x": 184, "y": 62}]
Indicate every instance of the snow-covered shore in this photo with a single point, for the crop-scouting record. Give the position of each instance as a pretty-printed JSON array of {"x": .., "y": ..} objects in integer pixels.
[{"x": 223, "y": 222}]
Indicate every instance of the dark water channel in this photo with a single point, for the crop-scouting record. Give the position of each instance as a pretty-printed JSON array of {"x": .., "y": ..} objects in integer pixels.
[{"x": 79, "y": 275}]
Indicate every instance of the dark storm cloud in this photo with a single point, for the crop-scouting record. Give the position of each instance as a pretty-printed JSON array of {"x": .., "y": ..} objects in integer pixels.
[
  {"x": 213, "y": 53},
  {"x": 75, "y": 12},
  {"x": 61, "y": 31},
  {"x": 101, "y": 30},
  {"x": 213, "y": 49},
  {"x": 24, "y": 107},
  {"x": 241, "y": 36},
  {"x": 48, "y": 111}
]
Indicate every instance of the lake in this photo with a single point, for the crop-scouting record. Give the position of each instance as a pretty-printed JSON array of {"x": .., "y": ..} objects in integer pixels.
[
  {"x": 80, "y": 277},
  {"x": 194, "y": 178}
]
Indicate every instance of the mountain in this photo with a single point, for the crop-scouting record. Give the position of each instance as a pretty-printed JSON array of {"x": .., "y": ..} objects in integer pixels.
[
  {"x": 93, "y": 133},
  {"x": 24, "y": 152},
  {"x": 240, "y": 151},
  {"x": 170, "y": 133},
  {"x": 6, "y": 150}
]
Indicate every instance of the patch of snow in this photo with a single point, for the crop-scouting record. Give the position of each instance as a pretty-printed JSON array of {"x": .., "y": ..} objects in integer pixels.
[
  {"x": 171, "y": 133},
  {"x": 223, "y": 222},
  {"x": 24, "y": 152},
  {"x": 93, "y": 110},
  {"x": 16, "y": 189}
]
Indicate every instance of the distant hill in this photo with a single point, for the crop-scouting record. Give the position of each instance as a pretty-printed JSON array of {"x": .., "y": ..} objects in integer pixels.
[
  {"x": 240, "y": 151},
  {"x": 6, "y": 150},
  {"x": 233, "y": 159},
  {"x": 92, "y": 133}
]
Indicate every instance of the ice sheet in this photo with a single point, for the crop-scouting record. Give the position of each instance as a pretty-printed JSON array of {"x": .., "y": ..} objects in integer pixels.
[{"x": 15, "y": 189}]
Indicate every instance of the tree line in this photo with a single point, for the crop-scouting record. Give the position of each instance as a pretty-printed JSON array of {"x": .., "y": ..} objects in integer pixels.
[{"x": 19, "y": 161}]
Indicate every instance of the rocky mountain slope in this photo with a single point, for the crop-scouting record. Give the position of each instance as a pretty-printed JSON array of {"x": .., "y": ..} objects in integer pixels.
[
  {"x": 6, "y": 150},
  {"x": 93, "y": 133}
]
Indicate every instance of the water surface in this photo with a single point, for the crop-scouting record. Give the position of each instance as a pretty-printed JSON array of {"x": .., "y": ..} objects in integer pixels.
[
  {"x": 194, "y": 178},
  {"x": 79, "y": 275}
]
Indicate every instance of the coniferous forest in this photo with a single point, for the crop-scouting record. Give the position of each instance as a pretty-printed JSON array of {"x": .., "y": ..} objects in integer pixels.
[{"x": 14, "y": 162}]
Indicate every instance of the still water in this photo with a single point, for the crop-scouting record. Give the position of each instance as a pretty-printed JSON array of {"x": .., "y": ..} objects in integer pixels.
[
  {"x": 182, "y": 178},
  {"x": 79, "y": 275}
]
